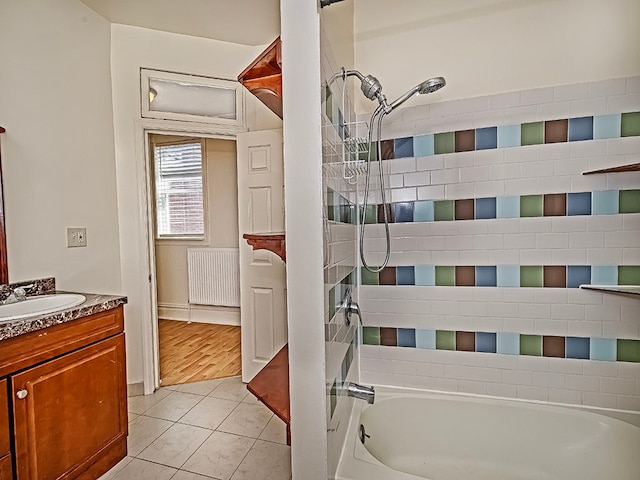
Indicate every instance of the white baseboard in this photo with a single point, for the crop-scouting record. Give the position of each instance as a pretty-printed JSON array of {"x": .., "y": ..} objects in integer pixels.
[
  {"x": 199, "y": 313},
  {"x": 135, "y": 389}
]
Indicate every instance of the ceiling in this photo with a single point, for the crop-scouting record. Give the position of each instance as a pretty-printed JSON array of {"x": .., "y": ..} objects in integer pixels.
[{"x": 246, "y": 22}]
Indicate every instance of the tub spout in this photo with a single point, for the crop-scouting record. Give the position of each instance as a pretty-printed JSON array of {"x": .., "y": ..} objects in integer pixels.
[{"x": 361, "y": 391}]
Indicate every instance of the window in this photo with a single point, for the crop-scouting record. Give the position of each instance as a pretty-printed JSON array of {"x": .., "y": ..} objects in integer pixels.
[{"x": 179, "y": 190}]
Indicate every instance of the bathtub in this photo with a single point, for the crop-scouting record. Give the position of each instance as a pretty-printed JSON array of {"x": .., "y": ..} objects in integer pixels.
[{"x": 438, "y": 436}]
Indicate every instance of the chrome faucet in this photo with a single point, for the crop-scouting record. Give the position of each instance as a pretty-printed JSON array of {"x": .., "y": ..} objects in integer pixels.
[
  {"x": 17, "y": 295},
  {"x": 361, "y": 391},
  {"x": 350, "y": 308}
]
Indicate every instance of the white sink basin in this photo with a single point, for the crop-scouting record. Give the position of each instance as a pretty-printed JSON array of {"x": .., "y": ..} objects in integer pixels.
[{"x": 39, "y": 305}]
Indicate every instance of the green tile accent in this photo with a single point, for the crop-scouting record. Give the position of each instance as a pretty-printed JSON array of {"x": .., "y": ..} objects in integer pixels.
[
  {"x": 629, "y": 201},
  {"x": 531, "y": 206},
  {"x": 630, "y": 126},
  {"x": 531, "y": 276},
  {"x": 371, "y": 214},
  {"x": 445, "y": 340},
  {"x": 628, "y": 350},
  {"x": 629, "y": 275},
  {"x": 445, "y": 276},
  {"x": 443, "y": 210},
  {"x": 444, "y": 143},
  {"x": 532, "y": 133},
  {"x": 368, "y": 278},
  {"x": 531, "y": 345},
  {"x": 371, "y": 335},
  {"x": 332, "y": 303}
]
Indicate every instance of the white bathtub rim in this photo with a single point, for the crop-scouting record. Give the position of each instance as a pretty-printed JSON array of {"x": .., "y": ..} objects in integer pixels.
[{"x": 356, "y": 462}]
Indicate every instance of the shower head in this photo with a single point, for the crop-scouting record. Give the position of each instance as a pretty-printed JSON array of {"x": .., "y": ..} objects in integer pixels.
[{"x": 428, "y": 86}]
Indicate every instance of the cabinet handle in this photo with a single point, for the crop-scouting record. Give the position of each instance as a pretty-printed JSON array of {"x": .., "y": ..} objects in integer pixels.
[{"x": 21, "y": 394}]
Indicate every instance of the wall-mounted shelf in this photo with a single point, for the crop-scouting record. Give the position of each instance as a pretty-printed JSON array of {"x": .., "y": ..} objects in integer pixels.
[
  {"x": 632, "y": 167},
  {"x": 617, "y": 289},
  {"x": 274, "y": 242},
  {"x": 263, "y": 77}
]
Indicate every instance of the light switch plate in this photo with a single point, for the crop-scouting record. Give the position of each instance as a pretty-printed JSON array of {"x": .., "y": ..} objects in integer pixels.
[{"x": 76, "y": 237}]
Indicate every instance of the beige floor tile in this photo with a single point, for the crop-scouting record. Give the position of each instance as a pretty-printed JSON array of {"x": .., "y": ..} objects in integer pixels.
[
  {"x": 247, "y": 419},
  {"x": 174, "y": 406},
  {"x": 143, "y": 431},
  {"x": 199, "y": 388},
  {"x": 219, "y": 455},
  {"x": 209, "y": 413},
  {"x": 116, "y": 468},
  {"x": 231, "y": 388},
  {"x": 176, "y": 445},
  {"x": 142, "y": 470},
  {"x": 131, "y": 416},
  {"x": 265, "y": 461},
  {"x": 182, "y": 475},
  {"x": 142, "y": 403},
  {"x": 275, "y": 431}
]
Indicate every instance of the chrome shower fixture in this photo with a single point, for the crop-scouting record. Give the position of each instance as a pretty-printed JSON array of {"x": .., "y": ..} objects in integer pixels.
[{"x": 428, "y": 86}]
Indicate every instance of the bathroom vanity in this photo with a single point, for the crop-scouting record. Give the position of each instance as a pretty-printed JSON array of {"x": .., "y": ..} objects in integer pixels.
[{"x": 63, "y": 392}]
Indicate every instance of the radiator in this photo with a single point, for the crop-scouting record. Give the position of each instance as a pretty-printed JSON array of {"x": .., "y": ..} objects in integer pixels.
[{"x": 214, "y": 276}]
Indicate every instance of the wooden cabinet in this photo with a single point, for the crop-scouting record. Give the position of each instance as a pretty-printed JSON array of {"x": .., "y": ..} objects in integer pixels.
[
  {"x": 68, "y": 411},
  {"x": 6, "y": 472}
]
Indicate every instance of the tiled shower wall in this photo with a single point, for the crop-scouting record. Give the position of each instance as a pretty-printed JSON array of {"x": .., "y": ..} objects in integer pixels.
[
  {"x": 495, "y": 228},
  {"x": 339, "y": 220}
]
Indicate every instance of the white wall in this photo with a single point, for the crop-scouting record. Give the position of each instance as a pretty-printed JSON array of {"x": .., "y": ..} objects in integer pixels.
[
  {"x": 57, "y": 153},
  {"x": 492, "y": 46},
  {"x": 131, "y": 49}
]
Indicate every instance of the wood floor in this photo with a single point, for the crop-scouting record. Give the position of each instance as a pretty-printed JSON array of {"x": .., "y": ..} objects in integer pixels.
[{"x": 191, "y": 352}]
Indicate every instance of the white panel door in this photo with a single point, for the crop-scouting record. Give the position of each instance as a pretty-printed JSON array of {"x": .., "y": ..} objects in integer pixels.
[{"x": 263, "y": 314}]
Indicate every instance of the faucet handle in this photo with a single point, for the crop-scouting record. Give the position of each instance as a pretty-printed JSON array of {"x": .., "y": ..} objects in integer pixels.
[{"x": 20, "y": 293}]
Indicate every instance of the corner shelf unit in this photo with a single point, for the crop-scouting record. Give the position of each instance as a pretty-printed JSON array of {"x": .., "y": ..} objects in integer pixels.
[
  {"x": 629, "y": 290},
  {"x": 274, "y": 242},
  {"x": 632, "y": 167}
]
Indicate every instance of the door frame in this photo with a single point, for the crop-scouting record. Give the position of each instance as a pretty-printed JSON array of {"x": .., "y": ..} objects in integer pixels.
[{"x": 148, "y": 278}]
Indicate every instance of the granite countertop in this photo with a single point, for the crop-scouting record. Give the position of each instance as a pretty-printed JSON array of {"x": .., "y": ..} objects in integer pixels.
[{"x": 95, "y": 303}]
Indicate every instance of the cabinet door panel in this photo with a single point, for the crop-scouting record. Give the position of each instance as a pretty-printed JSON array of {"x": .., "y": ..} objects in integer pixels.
[
  {"x": 6, "y": 472},
  {"x": 4, "y": 420},
  {"x": 72, "y": 408}
]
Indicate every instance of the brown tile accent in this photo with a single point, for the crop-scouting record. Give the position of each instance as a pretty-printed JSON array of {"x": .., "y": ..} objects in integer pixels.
[
  {"x": 553, "y": 346},
  {"x": 464, "y": 209},
  {"x": 387, "y": 276},
  {"x": 555, "y": 276},
  {"x": 465, "y": 140},
  {"x": 555, "y": 205},
  {"x": 465, "y": 276},
  {"x": 466, "y": 341},
  {"x": 391, "y": 217},
  {"x": 388, "y": 337},
  {"x": 387, "y": 149},
  {"x": 555, "y": 131}
]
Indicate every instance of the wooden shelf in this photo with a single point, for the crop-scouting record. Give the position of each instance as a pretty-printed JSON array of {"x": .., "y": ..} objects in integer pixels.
[
  {"x": 271, "y": 387},
  {"x": 633, "y": 290},
  {"x": 632, "y": 167},
  {"x": 2, "y": 130},
  {"x": 274, "y": 242},
  {"x": 263, "y": 77}
]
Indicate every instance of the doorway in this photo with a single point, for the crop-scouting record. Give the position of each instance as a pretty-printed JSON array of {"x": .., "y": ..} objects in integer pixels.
[{"x": 194, "y": 218}]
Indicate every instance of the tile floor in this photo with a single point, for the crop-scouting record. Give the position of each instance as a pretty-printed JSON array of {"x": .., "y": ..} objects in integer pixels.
[{"x": 206, "y": 430}]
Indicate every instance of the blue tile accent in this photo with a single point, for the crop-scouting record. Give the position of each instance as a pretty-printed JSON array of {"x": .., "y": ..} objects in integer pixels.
[
  {"x": 508, "y": 207},
  {"x": 605, "y": 202},
  {"x": 405, "y": 276},
  {"x": 485, "y": 208},
  {"x": 486, "y": 276},
  {"x": 579, "y": 203},
  {"x": 423, "y": 145},
  {"x": 604, "y": 275},
  {"x": 403, "y": 147},
  {"x": 577, "y": 347},
  {"x": 486, "y": 138},
  {"x": 509, "y": 136},
  {"x": 426, "y": 339},
  {"x": 407, "y": 337},
  {"x": 508, "y": 276},
  {"x": 423, "y": 211},
  {"x": 404, "y": 212},
  {"x": 607, "y": 126},
  {"x": 425, "y": 275},
  {"x": 486, "y": 342},
  {"x": 508, "y": 343},
  {"x": 603, "y": 349},
  {"x": 578, "y": 275},
  {"x": 580, "y": 129}
]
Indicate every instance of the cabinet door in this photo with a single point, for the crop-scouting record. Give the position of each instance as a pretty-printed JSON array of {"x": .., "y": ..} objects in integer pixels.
[
  {"x": 4, "y": 420},
  {"x": 69, "y": 412},
  {"x": 6, "y": 473}
]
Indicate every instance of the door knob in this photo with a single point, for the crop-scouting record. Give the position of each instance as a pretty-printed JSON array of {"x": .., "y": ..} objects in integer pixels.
[{"x": 21, "y": 394}]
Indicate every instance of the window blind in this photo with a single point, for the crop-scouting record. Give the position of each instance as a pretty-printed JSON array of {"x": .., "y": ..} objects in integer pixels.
[{"x": 178, "y": 185}]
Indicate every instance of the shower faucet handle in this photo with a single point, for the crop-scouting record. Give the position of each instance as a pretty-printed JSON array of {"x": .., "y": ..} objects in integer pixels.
[{"x": 350, "y": 308}]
